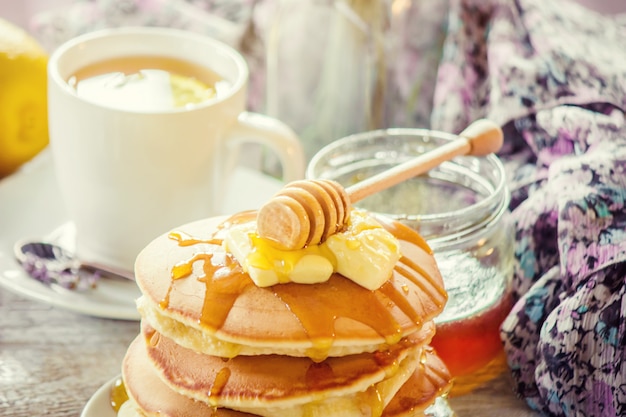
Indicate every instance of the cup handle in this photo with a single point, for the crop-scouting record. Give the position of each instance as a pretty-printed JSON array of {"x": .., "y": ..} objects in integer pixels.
[{"x": 268, "y": 131}]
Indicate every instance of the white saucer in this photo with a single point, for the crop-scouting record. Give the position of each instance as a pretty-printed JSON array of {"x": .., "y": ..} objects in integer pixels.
[
  {"x": 112, "y": 298},
  {"x": 99, "y": 405},
  {"x": 31, "y": 207}
]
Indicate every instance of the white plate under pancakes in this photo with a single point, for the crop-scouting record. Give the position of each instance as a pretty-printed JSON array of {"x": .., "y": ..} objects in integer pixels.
[{"x": 99, "y": 405}]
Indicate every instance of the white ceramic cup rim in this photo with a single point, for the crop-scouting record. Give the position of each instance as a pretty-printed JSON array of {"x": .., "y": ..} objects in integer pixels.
[{"x": 59, "y": 54}]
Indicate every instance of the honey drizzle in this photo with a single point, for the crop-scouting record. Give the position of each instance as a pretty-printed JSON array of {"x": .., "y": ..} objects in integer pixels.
[
  {"x": 318, "y": 313},
  {"x": 404, "y": 232},
  {"x": 225, "y": 280},
  {"x": 372, "y": 397},
  {"x": 223, "y": 283},
  {"x": 221, "y": 379},
  {"x": 423, "y": 280},
  {"x": 221, "y": 292},
  {"x": 184, "y": 269},
  {"x": 118, "y": 395},
  {"x": 436, "y": 375},
  {"x": 184, "y": 239},
  {"x": 402, "y": 302}
]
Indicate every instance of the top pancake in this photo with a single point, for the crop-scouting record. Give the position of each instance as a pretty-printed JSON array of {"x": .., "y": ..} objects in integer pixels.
[{"x": 188, "y": 279}]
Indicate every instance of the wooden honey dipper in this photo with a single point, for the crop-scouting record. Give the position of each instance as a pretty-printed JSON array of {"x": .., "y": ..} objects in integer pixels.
[{"x": 306, "y": 212}]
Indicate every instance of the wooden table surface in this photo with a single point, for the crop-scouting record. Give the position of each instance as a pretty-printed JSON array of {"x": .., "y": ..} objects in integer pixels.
[{"x": 53, "y": 360}]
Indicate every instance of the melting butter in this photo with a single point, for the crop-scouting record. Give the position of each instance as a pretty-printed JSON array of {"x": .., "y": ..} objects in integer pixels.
[{"x": 364, "y": 252}]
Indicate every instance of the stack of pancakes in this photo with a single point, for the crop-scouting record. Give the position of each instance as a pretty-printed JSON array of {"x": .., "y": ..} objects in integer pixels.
[{"x": 214, "y": 344}]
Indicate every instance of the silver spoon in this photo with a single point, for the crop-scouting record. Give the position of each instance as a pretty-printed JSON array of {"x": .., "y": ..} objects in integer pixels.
[{"x": 52, "y": 264}]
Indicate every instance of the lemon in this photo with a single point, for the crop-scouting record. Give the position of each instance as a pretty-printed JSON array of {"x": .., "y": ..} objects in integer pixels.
[
  {"x": 187, "y": 90},
  {"x": 23, "y": 97}
]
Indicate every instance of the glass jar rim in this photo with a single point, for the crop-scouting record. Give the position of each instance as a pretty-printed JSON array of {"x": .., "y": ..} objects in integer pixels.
[{"x": 495, "y": 203}]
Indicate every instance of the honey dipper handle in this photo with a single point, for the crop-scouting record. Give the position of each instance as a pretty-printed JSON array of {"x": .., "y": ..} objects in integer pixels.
[{"x": 480, "y": 138}]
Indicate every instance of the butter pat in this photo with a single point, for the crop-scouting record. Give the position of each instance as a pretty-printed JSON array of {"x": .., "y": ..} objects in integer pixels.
[
  {"x": 367, "y": 258},
  {"x": 364, "y": 252},
  {"x": 268, "y": 265}
]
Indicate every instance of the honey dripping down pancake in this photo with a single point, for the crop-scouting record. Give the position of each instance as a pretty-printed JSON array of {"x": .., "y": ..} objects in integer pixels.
[
  {"x": 197, "y": 294},
  {"x": 219, "y": 341}
]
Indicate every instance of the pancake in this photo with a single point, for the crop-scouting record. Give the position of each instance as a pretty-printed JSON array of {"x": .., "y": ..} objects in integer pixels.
[
  {"x": 197, "y": 294},
  {"x": 154, "y": 398},
  {"x": 275, "y": 381},
  {"x": 430, "y": 381}
]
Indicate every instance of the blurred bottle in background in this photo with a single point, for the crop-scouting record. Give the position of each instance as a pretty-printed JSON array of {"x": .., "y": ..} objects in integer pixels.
[
  {"x": 327, "y": 67},
  {"x": 337, "y": 67}
]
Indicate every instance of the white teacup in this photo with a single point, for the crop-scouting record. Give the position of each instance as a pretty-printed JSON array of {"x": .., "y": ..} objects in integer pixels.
[{"x": 129, "y": 174}]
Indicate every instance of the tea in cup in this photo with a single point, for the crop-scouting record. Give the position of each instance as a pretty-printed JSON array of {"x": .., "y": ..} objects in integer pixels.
[
  {"x": 147, "y": 83},
  {"x": 145, "y": 124}
]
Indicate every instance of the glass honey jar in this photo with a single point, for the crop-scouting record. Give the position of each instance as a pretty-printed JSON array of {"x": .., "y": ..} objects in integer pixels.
[{"x": 461, "y": 209}]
